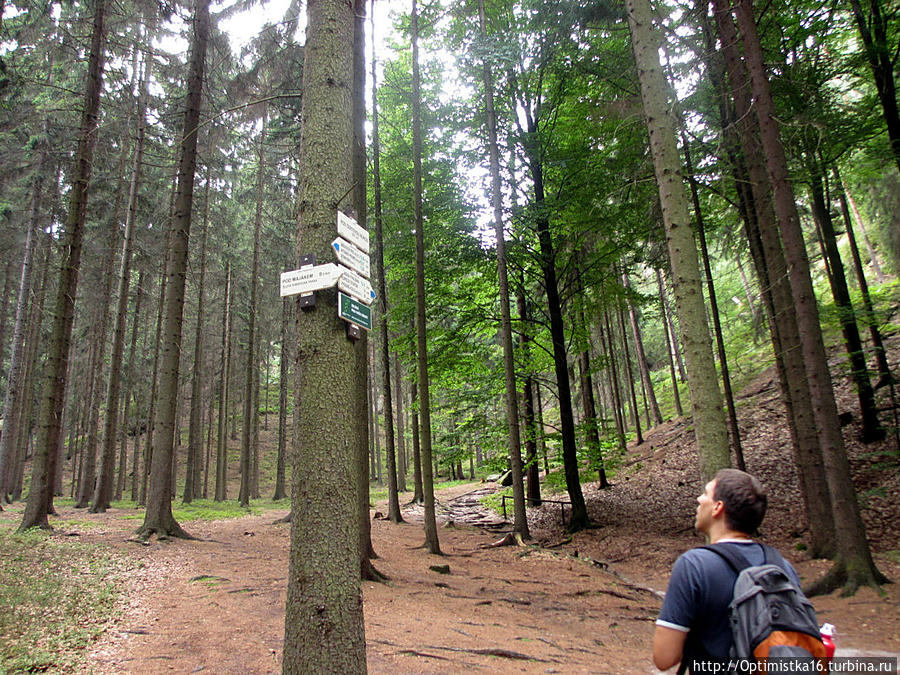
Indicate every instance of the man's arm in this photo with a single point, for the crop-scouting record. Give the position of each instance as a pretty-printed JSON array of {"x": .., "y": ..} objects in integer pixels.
[{"x": 668, "y": 646}]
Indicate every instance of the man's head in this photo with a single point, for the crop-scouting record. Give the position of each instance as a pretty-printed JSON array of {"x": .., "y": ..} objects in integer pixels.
[{"x": 733, "y": 500}]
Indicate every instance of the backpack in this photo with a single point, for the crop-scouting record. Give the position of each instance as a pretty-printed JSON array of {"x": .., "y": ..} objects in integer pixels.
[{"x": 770, "y": 616}]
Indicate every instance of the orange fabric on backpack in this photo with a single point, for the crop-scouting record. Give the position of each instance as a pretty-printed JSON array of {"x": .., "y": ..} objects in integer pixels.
[{"x": 791, "y": 639}]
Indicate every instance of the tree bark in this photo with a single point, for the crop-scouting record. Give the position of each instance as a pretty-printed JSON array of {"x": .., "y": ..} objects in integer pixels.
[
  {"x": 126, "y": 398},
  {"x": 158, "y": 518},
  {"x": 402, "y": 467},
  {"x": 40, "y": 498},
  {"x": 771, "y": 267},
  {"x": 641, "y": 356},
  {"x": 222, "y": 435},
  {"x": 192, "y": 482},
  {"x": 418, "y": 491},
  {"x": 252, "y": 364},
  {"x": 853, "y": 565},
  {"x": 104, "y": 487},
  {"x": 669, "y": 337},
  {"x": 612, "y": 369},
  {"x": 324, "y": 597},
  {"x": 431, "y": 535},
  {"x": 284, "y": 374},
  {"x": 394, "y": 514},
  {"x": 520, "y": 519},
  {"x": 532, "y": 472},
  {"x": 874, "y": 33},
  {"x": 590, "y": 413},
  {"x": 15, "y": 381},
  {"x": 859, "y": 370},
  {"x": 706, "y": 399}
]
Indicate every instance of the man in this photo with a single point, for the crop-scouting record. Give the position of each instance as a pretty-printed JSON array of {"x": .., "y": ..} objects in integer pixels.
[{"x": 693, "y": 625}]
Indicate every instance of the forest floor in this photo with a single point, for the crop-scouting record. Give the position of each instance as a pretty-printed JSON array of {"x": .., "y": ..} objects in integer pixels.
[{"x": 563, "y": 604}]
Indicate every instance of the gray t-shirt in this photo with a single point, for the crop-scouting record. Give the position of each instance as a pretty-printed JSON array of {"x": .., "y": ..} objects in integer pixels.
[{"x": 698, "y": 595}]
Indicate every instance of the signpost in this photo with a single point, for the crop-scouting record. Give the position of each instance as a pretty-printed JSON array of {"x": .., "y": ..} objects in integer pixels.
[
  {"x": 350, "y": 282},
  {"x": 349, "y": 230},
  {"x": 351, "y": 247},
  {"x": 355, "y": 312},
  {"x": 352, "y": 257},
  {"x": 310, "y": 279}
]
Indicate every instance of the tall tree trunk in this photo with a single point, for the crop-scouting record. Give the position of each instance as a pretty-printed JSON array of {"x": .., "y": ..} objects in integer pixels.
[
  {"x": 222, "y": 435},
  {"x": 418, "y": 490},
  {"x": 771, "y": 267},
  {"x": 394, "y": 514},
  {"x": 32, "y": 359},
  {"x": 402, "y": 467},
  {"x": 590, "y": 413},
  {"x": 629, "y": 375},
  {"x": 706, "y": 399},
  {"x": 192, "y": 481},
  {"x": 873, "y": 256},
  {"x": 158, "y": 518},
  {"x": 885, "y": 376},
  {"x": 874, "y": 32},
  {"x": 103, "y": 489},
  {"x": 252, "y": 365},
  {"x": 154, "y": 380},
  {"x": 283, "y": 375},
  {"x": 532, "y": 472},
  {"x": 853, "y": 565},
  {"x": 324, "y": 580},
  {"x": 40, "y": 498},
  {"x": 641, "y": 356},
  {"x": 612, "y": 369},
  {"x": 579, "y": 519},
  {"x": 669, "y": 338},
  {"x": 431, "y": 535},
  {"x": 358, "y": 169},
  {"x": 129, "y": 387},
  {"x": 735, "y": 432},
  {"x": 520, "y": 519},
  {"x": 859, "y": 370},
  {"x": 8, "y": 291},
  {"x": 15, "y": 382}
]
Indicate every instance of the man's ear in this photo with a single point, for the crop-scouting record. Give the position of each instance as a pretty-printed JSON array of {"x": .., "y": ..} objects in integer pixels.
[{"x": 718, "y": 509}]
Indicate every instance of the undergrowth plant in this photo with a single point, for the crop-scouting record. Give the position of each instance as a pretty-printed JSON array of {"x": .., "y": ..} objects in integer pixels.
[{"x": 57, "y": 597}]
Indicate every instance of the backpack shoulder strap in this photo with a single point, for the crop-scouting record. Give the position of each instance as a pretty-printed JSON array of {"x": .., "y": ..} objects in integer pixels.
[{"x": 735, "y": 560}]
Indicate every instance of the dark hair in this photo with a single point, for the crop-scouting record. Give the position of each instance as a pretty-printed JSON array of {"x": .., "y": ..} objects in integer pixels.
[{"x": 744, "y": 499}]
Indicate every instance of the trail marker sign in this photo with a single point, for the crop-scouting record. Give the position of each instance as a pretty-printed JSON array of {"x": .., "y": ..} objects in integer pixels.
[
  {"x": 310, "y": 279},
  {"x": 350, "y": 309},
  {"x": 352, "y": 232},
  {"x": 352, "y": 257},
  {"x": 350, "y": 282}
]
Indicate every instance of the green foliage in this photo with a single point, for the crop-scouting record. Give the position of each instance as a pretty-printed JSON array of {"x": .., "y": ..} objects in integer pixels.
[
  {"x": 494, "y": 501},
  {"x": 57, "y": 598},
  {"x": 207, "y": 509}
]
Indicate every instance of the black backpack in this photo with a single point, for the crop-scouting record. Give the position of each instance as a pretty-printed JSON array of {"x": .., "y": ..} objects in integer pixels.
[{"x": 770, "y": 617}]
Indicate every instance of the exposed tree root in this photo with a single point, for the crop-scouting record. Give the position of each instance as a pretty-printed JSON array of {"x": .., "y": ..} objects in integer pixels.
[
  {"x": 369, "y": 572},
  {"x": 413, "y": 652},
  {"x": 286, "y": 519},
  {"x": 503, "y": 653},
  {"x": 163, "y": 533},
  {"x": 511, "y": 539},
  {"x": 848, "y": 579}
]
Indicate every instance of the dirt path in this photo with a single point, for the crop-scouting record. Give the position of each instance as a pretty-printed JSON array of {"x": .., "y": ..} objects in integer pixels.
[{"x": 217, "y": 605}]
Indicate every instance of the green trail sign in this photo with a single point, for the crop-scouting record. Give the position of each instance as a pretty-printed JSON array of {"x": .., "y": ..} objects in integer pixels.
[{"x": 354, "y": 311}]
